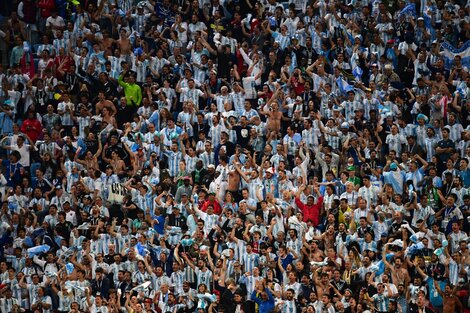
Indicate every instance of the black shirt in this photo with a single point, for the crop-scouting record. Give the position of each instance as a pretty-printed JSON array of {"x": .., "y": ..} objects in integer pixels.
[{"x": 243, "y": 135}]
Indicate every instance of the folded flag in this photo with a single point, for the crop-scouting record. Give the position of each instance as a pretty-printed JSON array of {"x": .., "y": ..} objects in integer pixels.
[{"x": 37, "y": 250}]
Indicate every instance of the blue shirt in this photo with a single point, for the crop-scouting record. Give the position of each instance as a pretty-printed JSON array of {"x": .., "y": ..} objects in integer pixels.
[
  {"x": 264, "y": 306},
  {"x": 465, "y": 175}
]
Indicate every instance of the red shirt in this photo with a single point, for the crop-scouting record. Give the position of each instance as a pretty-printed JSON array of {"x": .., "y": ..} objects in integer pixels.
[
  {"x": 46, "y": 7},
  {"x": 299, "y": 88},
  {"x": 32, "y": 128},
  {"x": 310, "y": 212},
  {"x": 215, "y": 204}
]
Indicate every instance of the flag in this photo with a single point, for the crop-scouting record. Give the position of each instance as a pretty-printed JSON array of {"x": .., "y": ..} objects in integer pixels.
[
  {"x": 343, "y": 85},
  {"x": 408, "y": 10},
  {"x": 142, "y": 286},
  {"x": 428, "y": 25},
  {"x": 141, "y": 249},
  {"x": 444, "y": 102},
  {"x": 37, "y": 250},
  {"x": 69, "y": 268},
  {"x": 357, "y": 72},
  {"x": 449, "y": 52}
]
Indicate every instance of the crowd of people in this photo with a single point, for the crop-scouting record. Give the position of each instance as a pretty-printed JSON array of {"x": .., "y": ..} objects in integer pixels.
[{"x": 234, "y": 156}]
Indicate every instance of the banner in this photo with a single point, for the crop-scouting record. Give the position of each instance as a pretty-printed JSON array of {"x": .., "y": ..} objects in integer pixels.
[
  {"x": 116, "y": 193},
  {"x": 449, "y": 52}
]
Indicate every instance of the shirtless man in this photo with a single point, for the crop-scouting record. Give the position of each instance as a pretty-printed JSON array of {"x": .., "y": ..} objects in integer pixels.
[
  {"x": 107, "y": 42},
  {"x": 315, "y": 253},
  {"x": 103, "y": 102},
  {"x": 452, "y": 303},
  {"x": 124, "y": 42},
  {"x": 322, "y": 283},
  {"x": 234, "y": 180},
  {"x": 273, "y": 122},
  {"x": 399, "y": 274}
]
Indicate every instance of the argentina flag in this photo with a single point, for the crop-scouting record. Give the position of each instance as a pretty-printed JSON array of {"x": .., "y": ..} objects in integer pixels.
[
  {"x": 449, "y": 52},
  {"x": 343, "y": 85},
  {"x": 357, "y": 72},
  {"x": 408, "y": 10}
]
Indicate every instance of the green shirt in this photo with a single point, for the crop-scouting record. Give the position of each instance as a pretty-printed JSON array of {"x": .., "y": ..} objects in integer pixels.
[
  {"x": 16, "y": 55},
  {"x": 132, "y": 92}
]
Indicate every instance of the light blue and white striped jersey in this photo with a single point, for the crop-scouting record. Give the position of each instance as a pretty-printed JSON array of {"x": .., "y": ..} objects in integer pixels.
[
  {"x": 395, "y": 142},
  {"x": 6, "y": 305},
  {"x": 380, "y": 302},
  {"x": 210, "y": 220},
  {"x": 284, "y": 40},
  {"x": 295, "y": 245},
  {"x": 207, "y": 158},
  {"x": 333, "y": 141},
  {"x": 66, "y": 117},
  {"x": 60, "y": 43},
  {"x": 139, "y": 22},
  {"x": 220, "y": 100},
  {"x": 215, "y": 133},
  {"x": 152, "y": 147},
  {"x": 455, "y": 132},
  {"x": 204, "y": 277},
  {"x": 47, "y": 47},
  {"x": 174, "y": 159},
  {"x": 372, "y": 104},
  {"x": 238, "y": 101},
  {"x": 83, "y": 122},
  {"x": 157, "y": 64},
  {"x": 42, "y": 201},
  {"x": 78, "y": 20},
  {"x": 370, "y": 194},
  {"x": 116, "y": 63},
  {"x": 139, "y": 277},
  {"x": 176, "y": 281},
  {"x": 372, "y": 246},
  {"x": 189, "y": 274},
  {"x": 65, "y": 301},
  {"x": 349, "y": 107},
  {"x": 250, "y": 261},
  {"x": 250, "y": 114},
  {"x": 141, "y": 69},
  {"x": 193, "y": 95},
  {"x": 430, "y": 146},
  {"x": 289, "y": 307},
  {"x": 416, "y": 176},
  {"x": 103, "y": 243},
  {"x": 17, "y": 263},
  {"x": 120, "y": 241},
  {"x": 309, "y": 137},
  {"x": 71, "y": 180},
  {"x": 250, "y": 283},
  {"x": 421, "y": 136},
  {"x": 86, "y": 60},
  {"x": 190, "y": 162}
]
